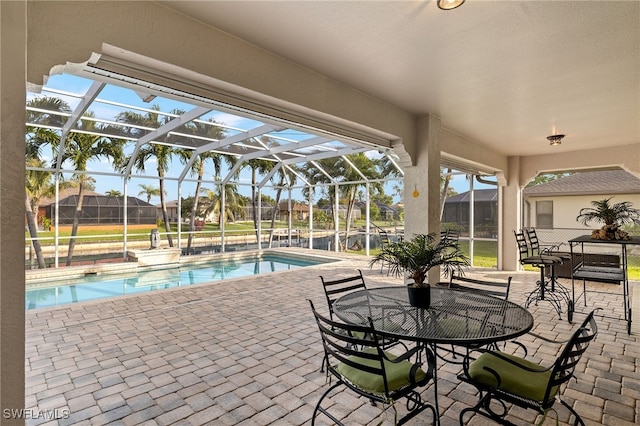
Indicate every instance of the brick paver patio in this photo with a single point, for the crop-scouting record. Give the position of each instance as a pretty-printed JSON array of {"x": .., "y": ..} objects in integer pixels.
[{"x": 247, "y": 352}]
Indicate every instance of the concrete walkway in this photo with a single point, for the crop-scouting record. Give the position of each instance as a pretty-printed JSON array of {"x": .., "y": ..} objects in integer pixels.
[{"x": 247, "y": 352}]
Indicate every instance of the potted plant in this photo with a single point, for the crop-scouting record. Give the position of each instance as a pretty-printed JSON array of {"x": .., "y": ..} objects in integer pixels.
[
  {"x": 416, "y": 256},
  {"x": 612, "y": 216}
]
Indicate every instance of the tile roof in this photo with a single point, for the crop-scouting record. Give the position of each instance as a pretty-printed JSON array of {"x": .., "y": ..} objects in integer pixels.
[
  {"x": 585, "y": 183},
  {"x": 478, "y": 195}
]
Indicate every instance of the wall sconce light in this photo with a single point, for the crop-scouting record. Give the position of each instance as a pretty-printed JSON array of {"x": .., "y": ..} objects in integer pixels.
[
  {"x": 449, "y": 4},
  {"x": 416, "y": 193},
  {"x": 555, "y": 139}
]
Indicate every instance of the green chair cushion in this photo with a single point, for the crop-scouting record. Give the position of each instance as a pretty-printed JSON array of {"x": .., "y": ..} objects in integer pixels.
[
  {"x": 398, "y": 374},
  {"x": 527, "y": 384}
]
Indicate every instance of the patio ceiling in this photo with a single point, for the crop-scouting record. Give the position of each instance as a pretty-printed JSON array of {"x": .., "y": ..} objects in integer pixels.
[{"x": 504, "y": 73}]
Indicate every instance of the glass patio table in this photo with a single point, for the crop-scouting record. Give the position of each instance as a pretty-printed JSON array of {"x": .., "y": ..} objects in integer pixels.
[{"x": 455, "y": 317}]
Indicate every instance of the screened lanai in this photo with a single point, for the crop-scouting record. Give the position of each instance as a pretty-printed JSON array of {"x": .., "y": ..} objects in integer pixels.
[
  {"x": 138, "y": 136},
  {"x": 182, "y": 144}
]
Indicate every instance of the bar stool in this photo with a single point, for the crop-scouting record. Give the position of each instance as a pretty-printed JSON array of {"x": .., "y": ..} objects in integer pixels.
[
  {"x": 543, "y": 290},
  {"x": 549, "y": 250}
]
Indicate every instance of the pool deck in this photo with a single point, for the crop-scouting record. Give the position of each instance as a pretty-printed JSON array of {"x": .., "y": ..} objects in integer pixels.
[{"x": 246, "y": 351}]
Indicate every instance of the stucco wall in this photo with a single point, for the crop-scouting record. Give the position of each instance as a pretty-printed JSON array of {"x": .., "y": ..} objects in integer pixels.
[{"x": 567, "y": 208}]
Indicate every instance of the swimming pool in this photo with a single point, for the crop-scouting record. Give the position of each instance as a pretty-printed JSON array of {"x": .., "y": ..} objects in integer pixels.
[{"x": 91, "y": 287}]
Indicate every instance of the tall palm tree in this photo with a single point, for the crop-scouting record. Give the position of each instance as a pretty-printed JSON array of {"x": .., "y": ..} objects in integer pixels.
[
  {"x": 366, "y": 166},
  {"x": 211, "y": 131},
  {"x": 80, "y": 149},
  {"x": 162, "y": 153},
  {"x": 348, "y": 192},
  {"x": 38, "y": 182},
  {"x": 262, "y": 167},
  {"x": 149, "y": 191},
  {"x": 285, "y": 177}
]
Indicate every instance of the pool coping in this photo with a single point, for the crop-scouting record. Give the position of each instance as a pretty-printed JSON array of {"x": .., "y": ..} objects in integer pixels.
[{"x": 42, "y": 278}]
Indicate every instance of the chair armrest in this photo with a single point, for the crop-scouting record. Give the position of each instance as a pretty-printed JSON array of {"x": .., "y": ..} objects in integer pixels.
[{"x": 546, "y": 339}]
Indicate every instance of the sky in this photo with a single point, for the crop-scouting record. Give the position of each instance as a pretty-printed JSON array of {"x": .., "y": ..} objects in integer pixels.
[{"x": 114, "y": 99}]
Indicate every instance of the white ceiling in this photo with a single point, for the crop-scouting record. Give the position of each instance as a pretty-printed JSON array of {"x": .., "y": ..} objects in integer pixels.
[{"x": 505, "y": 73}]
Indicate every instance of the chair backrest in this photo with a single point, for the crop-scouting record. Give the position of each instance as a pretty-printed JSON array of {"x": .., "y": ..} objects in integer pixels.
[
  {"x": 384, "y": 238},
  {"x": 523, "y": 246},
  {"x": 453, "y": 235},
  {"x": 534, "y": 243},
  {"x": 343, "y": 344},
  {"x": 565, "y": 364},
  {"x": 499, "y": 289},
  {"x": 333, "y": 289}
]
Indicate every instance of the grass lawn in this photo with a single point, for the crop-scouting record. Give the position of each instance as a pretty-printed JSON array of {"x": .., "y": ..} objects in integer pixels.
[{"x": 485, "y": 252}]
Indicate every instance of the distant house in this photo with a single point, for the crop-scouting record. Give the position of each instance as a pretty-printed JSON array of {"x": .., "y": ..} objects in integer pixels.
[
  {"x": 556, "y": 204},
  {"x": 100, "y": 210},
  {"x": 456, "y": 211},
  {"x": 342, "y": 211},
  {"x": 172, "y": 211},
  {"x": 298, "y": 211}
]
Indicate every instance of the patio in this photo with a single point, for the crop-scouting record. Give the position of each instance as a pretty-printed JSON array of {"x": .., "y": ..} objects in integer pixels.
[{"x": 247, "y": 352}]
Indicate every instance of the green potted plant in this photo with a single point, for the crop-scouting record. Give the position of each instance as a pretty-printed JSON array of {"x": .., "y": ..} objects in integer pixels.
[
  {"x": 612, "y": 216},
  {"x": 416, "y": 256}
]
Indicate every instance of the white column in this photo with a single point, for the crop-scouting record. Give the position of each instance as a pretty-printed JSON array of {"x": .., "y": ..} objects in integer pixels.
[{"x": 13, "y": 50}]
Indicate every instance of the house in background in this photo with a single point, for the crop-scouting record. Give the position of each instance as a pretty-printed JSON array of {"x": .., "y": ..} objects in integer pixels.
[
  {"x": 556, "y": 204},
  {"x": 298, "y": 211},
  {"x": 98, "y": 209},
  {"x": 485, "y": 223}
]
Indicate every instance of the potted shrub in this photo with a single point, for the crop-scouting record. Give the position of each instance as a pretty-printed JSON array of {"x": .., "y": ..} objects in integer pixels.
[
  {"x": 416, "y": 256},
  {"x": 612, "y": 216}
]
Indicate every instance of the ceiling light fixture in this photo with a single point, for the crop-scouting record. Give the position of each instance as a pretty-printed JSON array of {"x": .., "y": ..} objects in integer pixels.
[
  {"x": 449, "y": 4},
  {"x": 555, "y": 139}
]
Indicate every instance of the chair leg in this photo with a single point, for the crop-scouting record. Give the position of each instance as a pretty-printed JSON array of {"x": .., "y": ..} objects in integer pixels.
[
  {"x": 322, "y": 410},
  {"x": 578, "y": 419}
]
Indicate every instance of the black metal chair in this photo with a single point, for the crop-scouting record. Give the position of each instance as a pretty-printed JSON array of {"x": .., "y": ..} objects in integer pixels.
[
  {"x": 450, "y": 234},
  {"x": 549, "y": 250},
  {"x": 385, "y": 240},
  {"x": 495, "y": 288},
  {"x": 499, "y": 289},
  {"x": 543, "y": 290},
  {"x": 362, "y": 365},
  {"x": 334, "y": 289},
  {"x": 504, "y": 379}
]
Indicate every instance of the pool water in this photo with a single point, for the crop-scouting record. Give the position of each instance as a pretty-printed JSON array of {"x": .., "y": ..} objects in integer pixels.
[{"x": 95, "y": 286}]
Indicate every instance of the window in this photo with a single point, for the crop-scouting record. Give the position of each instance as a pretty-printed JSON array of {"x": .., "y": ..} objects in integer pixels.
[{"x": 544, "y": 214}]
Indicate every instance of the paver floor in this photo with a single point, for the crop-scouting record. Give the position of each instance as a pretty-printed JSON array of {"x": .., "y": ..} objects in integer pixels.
[{"x": 247, "y": 352}]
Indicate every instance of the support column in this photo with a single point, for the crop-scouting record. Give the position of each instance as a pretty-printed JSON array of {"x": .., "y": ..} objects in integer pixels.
[
  {"x": 422, "y": 183},
  {"x": 511, "y": 215},
  {"x": 13, "y": 17}
]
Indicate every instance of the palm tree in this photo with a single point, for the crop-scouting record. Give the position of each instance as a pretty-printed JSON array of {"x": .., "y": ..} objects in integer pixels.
[
  {"x": 285, "y": 177},
  {"x": 262, "y": 167},
  {"x": 211, "y": 131},
  {"x": 611, "y": 215},
  {"x": 162, "y": 153},
  {"x": 348, "y": 191},
  {"x": 367, "y": 167},
  {"x": 38, "y": 182},
  {"x": 38, "y": 185},
  {"x": 149, "y": 191},
  {"x": 79, "y": 149},
  {"x": 113, "y": 193},
  {"x": 233, "y": 202}
]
